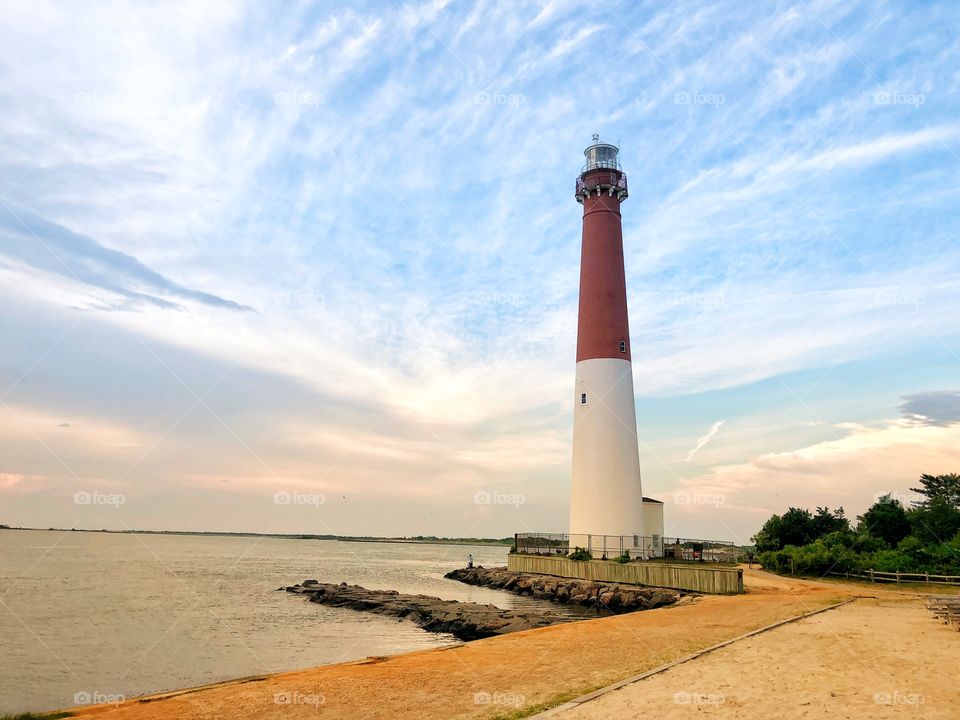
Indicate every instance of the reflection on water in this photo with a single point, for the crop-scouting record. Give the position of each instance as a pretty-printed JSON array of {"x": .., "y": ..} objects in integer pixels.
[{"x": 131, "y": 614}]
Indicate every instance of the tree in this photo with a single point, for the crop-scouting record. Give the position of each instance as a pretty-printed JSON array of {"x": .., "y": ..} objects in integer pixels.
[
  {"x": 935, "y": 521},
  {"x": 885, "y": 519},
  {"x": 939, "y": 486},
  {"x": 796, "y": 527},
  {"x": 768, "y": 537},
  {"x": 826, "y": 522}
]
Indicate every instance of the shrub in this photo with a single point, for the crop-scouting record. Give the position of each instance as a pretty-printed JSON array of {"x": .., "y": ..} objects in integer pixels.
[
  {"x": 891, "y": 561},
  {"x": 888, "y": 538},
  {"x": 817, "y": 558},
  {"x": 580, "y": 554}
]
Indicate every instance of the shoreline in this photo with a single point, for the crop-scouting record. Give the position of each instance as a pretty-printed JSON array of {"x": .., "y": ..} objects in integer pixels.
[{"x": 473, "y": 680}]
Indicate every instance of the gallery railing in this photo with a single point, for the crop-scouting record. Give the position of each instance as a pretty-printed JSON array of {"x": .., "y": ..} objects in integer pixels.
[{"x": 637, "y": 547}]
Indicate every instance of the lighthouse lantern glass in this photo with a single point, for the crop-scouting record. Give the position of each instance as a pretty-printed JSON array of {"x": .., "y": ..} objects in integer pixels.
[{"x": 602, "y": 155}]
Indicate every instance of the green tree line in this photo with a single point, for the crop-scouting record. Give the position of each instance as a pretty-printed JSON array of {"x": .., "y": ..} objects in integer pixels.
[{"x": 890, "y": 536}]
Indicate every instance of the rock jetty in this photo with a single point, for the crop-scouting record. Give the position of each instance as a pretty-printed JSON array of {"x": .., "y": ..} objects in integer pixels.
[
  {"x": 466, "y": 621},
  {"x": 616, "y": 598}
]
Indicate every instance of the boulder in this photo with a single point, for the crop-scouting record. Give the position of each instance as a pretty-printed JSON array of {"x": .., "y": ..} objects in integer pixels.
[
  {"x": 467, "y": 621},
  {"x": 580, "y": 592}
]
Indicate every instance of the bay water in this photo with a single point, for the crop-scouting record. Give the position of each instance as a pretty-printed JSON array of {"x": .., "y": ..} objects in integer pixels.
[{"x": 90, "y": 616}]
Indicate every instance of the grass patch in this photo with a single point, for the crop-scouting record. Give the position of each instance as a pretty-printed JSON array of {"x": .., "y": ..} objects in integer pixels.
[
  {"x": 540, "y": 707},
  {"x": 37, "y": 716},
  {"x": 558, "y": 700}
]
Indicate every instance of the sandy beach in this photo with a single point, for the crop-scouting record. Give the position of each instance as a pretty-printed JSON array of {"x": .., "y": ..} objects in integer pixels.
[
  {"x": 874, "y": 658},
  {"x": 888, "y": 636}
]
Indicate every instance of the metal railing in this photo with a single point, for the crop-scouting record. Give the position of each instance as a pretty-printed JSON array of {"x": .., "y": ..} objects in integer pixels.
[
  {"x": 600, "y": 165},
  {"x": 619, "y": 181},
  {"x": 637, "y": 547}
]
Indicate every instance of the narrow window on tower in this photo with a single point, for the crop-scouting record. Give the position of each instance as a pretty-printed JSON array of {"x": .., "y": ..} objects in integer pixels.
[
  {"x": 623, "y": 346},
  {"x": 583, "y": 398}
]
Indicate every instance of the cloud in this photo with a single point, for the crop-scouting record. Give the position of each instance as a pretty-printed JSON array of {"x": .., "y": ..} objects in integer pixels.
[
  {"x": 875, "y": 150},
  {"x": 848, "y": 471},
  {"x": 714, "y": 429},
  {"x": 48, "y": 246},
  {"x": 940, "y": 408},
  {"x": 390, "y": 188}
]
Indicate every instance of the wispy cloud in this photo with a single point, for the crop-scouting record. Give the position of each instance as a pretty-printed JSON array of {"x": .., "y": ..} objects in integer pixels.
[
  {"x": 701, "y": 442},
  {"x": 48, "y": 246},
  {"x": 390, "y": 187}
]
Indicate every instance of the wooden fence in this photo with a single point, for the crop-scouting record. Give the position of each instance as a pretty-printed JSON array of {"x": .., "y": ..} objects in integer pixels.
[
  {"x": 899, "y": 577},
  {"x": 698, "y": 578}
]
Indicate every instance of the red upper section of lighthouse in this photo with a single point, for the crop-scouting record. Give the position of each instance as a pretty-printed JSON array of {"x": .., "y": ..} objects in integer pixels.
[{"x": 603, "y": 330}]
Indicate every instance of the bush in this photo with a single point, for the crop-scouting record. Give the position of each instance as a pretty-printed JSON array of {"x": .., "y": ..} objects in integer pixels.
[
  {"x": 817, "y": 558},
  {"x": 934, "y": 558},
  {"x": 891, "y": 561},
  {"x": 580, "y": 554},
  {"x": 770, "y": 560},
  {"x": 889, "y": 537},
  {"x": 622, "y": 559}
]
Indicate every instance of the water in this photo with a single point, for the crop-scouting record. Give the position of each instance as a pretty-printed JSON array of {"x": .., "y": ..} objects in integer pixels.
[{"x": 126, "y": 615}]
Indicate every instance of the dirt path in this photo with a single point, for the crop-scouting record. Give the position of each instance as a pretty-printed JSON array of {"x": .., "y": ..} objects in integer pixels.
[
  {"x": 869, "y": 659},
  {"x": 497, "y": 676}
]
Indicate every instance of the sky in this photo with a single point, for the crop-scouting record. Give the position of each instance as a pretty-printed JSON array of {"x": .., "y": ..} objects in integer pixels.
[{"x": 312, "y": 267}]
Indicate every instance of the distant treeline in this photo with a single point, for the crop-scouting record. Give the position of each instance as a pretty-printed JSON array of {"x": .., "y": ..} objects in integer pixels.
[
  {"x": 890, "y": 536},
  {"x": 464, "y": 541},
  {"x": 426, "y": 539}
]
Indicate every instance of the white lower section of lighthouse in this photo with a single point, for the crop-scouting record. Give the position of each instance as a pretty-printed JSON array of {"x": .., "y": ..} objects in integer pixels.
[{"x": 606, "y": 497}]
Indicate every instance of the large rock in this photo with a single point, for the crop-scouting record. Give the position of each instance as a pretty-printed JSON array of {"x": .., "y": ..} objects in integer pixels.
[
  {"x": 610, "y": 597},
  {"x": 467, "y": 621}
]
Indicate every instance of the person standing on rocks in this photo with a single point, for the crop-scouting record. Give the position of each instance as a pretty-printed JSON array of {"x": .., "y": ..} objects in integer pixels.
[{"x": 470, "y": 560}]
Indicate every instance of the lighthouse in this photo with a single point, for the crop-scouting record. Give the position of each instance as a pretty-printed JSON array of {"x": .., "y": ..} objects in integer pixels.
[{"x": 606, "y": 498}]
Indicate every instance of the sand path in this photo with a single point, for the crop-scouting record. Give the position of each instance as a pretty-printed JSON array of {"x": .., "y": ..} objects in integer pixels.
[
  {"x": 870, "y": 659},
  {"x": 499, "y": 676}
]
